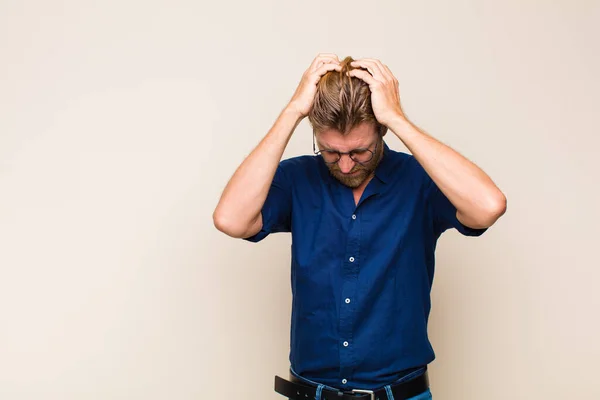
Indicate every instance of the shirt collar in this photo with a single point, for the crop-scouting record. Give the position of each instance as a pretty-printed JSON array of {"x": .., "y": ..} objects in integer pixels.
[
  {"x": 383, "y": 172},
  {"x": 384, "y": 169}
]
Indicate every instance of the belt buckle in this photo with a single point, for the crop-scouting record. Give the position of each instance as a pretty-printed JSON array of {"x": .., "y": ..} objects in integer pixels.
[{"x": 372, "y": 393}]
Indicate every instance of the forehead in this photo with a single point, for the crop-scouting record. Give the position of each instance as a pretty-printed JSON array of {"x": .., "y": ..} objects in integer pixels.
[{"x": 360, "y": 136}]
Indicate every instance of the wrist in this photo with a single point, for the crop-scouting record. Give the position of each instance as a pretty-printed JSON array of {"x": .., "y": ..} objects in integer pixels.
[
  {"x": 398, "y": 123},
  {"x": 293, "y": 112},
  {"x": 288, "y": 120}
]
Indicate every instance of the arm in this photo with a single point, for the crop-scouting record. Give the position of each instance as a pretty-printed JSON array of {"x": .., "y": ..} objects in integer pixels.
[
  {"x": 238, "y": 213},
  {"x": 478, "y": 201}
]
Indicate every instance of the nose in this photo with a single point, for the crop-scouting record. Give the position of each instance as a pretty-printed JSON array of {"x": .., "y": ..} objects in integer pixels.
[{"x": 346, "y": 163}]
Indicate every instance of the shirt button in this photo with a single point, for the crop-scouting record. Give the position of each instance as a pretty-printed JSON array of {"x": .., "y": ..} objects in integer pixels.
[
  {"x": 347, "y": 301},
  {"x": 345, "y": 344},
  {"x": 353, "y": 216},
  {"x": 344, "y": 381},
  {"x": 351, "y": 259}
]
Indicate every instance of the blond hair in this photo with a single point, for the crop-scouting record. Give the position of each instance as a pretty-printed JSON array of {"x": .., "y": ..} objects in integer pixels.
[{"x": 342, "y": 102}]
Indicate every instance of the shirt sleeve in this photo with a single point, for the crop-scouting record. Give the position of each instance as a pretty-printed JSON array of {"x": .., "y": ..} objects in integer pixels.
[
  {"x": 277, "y": 209},
  {"x": 443, "y": 211}
]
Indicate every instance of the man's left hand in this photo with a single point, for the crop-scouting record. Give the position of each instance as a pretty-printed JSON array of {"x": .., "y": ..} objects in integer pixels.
[{"x": 385, "y": 95}]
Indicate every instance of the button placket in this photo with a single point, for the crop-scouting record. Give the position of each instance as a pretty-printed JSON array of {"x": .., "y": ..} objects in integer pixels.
[{"x": 350, "y": 271}]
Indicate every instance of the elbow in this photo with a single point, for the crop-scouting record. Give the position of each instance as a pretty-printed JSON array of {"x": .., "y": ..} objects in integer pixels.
[
  {"x": 487, "y": 215},
  {"x": 218, "y": 221},
  {"x": 224, "y": 224},
  {"x": 496, "y": 209}
]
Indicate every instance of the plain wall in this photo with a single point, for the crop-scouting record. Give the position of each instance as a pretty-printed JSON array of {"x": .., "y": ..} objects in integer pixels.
[{"x": 121, "y": 122}]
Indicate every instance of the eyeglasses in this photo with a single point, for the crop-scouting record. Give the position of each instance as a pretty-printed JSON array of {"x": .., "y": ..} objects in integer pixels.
[{"x": 360, "y": 155}]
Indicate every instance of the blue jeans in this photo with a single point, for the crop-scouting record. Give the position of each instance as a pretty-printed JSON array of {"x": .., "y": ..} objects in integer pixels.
[{"x": 426, "y": 395}]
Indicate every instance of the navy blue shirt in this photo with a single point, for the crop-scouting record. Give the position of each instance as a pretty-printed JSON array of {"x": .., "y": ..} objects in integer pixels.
[{"x": 361, "y": 274}]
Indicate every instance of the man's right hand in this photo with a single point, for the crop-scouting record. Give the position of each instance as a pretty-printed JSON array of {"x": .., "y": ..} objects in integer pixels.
[{"x": 304, "y": 96}]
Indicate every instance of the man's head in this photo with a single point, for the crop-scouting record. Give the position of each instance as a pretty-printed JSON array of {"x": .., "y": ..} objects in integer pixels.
[{"x": 342, "y": 119}]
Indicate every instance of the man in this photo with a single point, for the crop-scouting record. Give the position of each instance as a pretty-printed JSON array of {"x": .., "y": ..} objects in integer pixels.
[{"x": 364, "y": 221}]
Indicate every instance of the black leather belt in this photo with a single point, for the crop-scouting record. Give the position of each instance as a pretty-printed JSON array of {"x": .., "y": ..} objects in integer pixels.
[{"x": 298, "y": 390}]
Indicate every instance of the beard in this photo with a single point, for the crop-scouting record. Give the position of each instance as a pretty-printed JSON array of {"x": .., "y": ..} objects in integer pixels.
[{"x": 360, "y": 172}]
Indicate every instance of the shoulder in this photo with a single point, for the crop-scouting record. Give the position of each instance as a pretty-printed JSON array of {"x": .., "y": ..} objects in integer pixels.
[
  {"x": 401, "y": 168},
  {"x": 399, "y": 158},
  {"x": 406, "y": 160},
  {"x": 299, "y": 162},
  {"x": 409, "y": 163},
  {"x": 299, "y": 167}
]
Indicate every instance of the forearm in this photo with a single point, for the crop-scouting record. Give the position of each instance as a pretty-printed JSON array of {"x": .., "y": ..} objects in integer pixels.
[
  {"x": 478, "y": 200},
  {"x": 244, "y": 195}
]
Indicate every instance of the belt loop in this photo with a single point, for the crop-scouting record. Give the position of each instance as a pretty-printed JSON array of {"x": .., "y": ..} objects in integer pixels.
[
  {"x": 388, "y": 391},
  {"x": 319, "y": 390}
]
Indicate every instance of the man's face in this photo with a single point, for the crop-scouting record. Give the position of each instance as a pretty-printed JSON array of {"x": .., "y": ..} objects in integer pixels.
[{"x": 346, "y": 170}]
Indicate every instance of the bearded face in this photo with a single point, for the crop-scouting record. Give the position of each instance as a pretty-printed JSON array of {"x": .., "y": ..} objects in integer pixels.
[
  {"x": 355, "y": 168},
  {"x": 360, "y": 172}
]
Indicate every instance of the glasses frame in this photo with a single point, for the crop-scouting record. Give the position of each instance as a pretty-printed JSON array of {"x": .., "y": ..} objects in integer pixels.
[{"x": 349, "y": 153}]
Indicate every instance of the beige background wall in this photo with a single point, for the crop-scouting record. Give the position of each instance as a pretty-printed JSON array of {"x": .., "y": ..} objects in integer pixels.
[{"x": 121, "y": 122}]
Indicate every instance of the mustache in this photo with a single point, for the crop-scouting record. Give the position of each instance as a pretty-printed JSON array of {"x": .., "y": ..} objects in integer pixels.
[{"x": 356, "y": 168}]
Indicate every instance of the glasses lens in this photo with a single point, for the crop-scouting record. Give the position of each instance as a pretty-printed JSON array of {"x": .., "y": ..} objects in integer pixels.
[
  {"x": 361, "y": 156},
  {"x": 330, "y": 156}
]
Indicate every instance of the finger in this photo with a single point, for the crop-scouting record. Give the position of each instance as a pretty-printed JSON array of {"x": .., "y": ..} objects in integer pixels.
[
  {"x": 376, "y": 62},
  {"x": 370, "y": 66},
  {"x": 365, "y": 76},
  {"x": 324, "y": 60},
  {"x": 390, "y": 72},
  {"x": 318, "y": 61},
  {"x": 381, "y": 72},
  {"x": 328, "y": 55},
  {"x": 329, "y": 58},
  {"x": 326, "y": 68}
]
